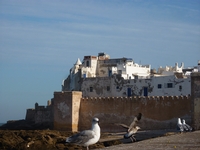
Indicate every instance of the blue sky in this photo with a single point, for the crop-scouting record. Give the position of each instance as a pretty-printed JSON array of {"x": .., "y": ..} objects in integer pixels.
[{"x": 40, "y": 41}]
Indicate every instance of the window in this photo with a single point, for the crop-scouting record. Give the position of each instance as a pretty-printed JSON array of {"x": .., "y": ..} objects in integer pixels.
[
  {"x": 169, "y": 85},
  {"x": 110, "y": 73},
  {"x": 159, "y": 86},
  {"x": 108, "y": 88},
  {"x": 87, "y": 63},
  {"x": 119, "y": 71},
  {"x": 180, "y": 87},
  {"x": 117, "y": 87},
  {"x": 91, "y": 89}
]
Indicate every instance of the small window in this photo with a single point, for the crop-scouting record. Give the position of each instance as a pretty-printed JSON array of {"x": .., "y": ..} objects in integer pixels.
[
  {"x": 180, "y": 87},
  {"x": 117, "y": 87},
  {"x": 108, "y": 88},
  {"x": 119, "y": 71},
  {"x": 169, "y": 85},
  {"x": 159, "y": 86},
  {"x": 87, "y": 63},
  {"x": 91, "y": 89}
]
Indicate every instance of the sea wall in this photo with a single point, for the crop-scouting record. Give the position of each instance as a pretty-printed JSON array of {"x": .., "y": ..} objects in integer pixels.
[
  {"x": 158, "y": 112},
  {"x": 40, "y": 114}
]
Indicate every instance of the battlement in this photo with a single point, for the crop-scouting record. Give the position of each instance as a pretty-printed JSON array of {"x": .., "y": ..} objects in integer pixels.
[
  {"x": 70, "y": 111},
  {"x": 159, "y": 112},
  {"x": 135, "y": 98}
]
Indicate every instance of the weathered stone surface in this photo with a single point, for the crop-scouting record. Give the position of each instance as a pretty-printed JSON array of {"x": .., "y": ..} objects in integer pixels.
[
  {"x": 157, "y": 112},
  {"x": 55, "y": 140}
]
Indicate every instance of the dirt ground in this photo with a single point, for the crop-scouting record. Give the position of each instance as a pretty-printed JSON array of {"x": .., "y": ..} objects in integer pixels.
[{"x": 55, "y": 140}]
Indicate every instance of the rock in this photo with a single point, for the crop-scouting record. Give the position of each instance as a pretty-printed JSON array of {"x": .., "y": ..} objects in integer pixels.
[
  {"x": 36, "y": 139},
  {"x": 55, "y": 140}
]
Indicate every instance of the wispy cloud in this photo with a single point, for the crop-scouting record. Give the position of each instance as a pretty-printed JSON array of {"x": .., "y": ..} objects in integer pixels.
[{"x": 49, "y": 29}]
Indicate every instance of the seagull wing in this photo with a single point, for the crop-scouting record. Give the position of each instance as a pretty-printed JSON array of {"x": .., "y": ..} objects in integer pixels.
[
  {"x": 185, "y": 127},
  {"x": 133, "y": 125},
  {"x": 81, "y": 138},
  {"x": 180, "y": 127},
  {"x": 188, "y": 127}
]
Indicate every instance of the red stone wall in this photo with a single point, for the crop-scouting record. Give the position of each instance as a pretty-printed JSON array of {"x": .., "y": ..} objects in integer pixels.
[{"x": 158, "y": 112}]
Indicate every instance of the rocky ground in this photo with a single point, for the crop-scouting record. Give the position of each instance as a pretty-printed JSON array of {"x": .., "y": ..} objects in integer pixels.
[
  {"x": 55, "y": 140},
  {"x": 43, "y": 139},
  {"x": 20, "y": 135}
]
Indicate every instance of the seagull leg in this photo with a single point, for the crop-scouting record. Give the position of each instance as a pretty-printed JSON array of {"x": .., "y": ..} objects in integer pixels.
[{"x": 87, "y": 148}]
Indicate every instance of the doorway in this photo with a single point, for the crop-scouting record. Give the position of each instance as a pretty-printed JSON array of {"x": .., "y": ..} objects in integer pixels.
[
  {"x": 145, "y": 91},
  {"x": 129, "y": 92}
]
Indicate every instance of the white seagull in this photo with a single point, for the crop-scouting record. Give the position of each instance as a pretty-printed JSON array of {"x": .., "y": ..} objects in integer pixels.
[
  {"x": 132, "y": 129},
  {"x": 186, "y": 126},
  {"x": 87, "y": 137},
  {"x": 180, "y": 125}
]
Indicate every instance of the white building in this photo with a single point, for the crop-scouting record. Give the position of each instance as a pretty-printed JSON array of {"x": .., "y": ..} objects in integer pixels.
[
  {"x": 117, "y": 86},
  {"x": 102, "y": 76}
]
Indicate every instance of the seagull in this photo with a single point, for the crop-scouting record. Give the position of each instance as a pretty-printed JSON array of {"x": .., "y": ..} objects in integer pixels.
[
  {"x": 180, "y": 125},
  {"x": 186, "y": 126},
  {"x": 132, "y": 129},
  {"x": 87, "y": 137}
]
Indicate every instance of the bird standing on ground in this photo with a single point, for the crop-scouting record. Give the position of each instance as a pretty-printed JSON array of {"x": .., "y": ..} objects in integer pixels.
[
  {"x": 180, "y": 125},
  {"x": 186, "y": 126},
  {"x": 132, "y": 129},
  {"x": 87, "y": 137}
]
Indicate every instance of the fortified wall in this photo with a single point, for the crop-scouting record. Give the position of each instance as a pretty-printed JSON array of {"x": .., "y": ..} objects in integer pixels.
[
  {"x": 65, "y": 107},
  {"x": 158, "y": 112},
  {"x": 40, "y": 114},
  {"x": 70, "y": 111}
]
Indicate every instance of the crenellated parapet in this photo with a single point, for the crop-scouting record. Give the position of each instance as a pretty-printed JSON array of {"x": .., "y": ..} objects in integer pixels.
[
  {"x": 159, "y": 112},
  {"x": 70, "y": 111},
  {"x": 85, "y": 99}
]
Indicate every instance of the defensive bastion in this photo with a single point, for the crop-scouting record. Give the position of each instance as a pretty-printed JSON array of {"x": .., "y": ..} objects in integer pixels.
[{"x": 70, "y": 111}]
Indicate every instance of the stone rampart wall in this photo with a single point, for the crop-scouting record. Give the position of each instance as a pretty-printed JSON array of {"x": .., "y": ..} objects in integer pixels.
[
  {"x": 30, "y": 115},
  {"x": 65, "y": 106},
  {"x": 158, "y": 112},
  {"x": 39, "y": 115},
  {"x": 43, "y": 116}
]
